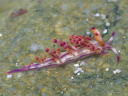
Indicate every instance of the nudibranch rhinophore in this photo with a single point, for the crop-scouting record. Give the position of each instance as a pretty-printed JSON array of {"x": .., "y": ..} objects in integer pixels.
[{"x": 78, "y": 47}]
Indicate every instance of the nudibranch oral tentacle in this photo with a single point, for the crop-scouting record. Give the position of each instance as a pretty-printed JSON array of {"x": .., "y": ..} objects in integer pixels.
[
  {"x": 97, "y": 36},
  {"x": 78, "y": 47}
]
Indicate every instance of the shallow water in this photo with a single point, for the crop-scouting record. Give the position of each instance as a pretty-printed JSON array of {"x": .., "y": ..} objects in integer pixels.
[{"x": 24, "y": 37}]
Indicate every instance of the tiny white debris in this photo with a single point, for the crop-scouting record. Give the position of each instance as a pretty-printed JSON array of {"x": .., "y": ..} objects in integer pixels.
[
  {"x": 107, "y": 69},
  {"x": 19, "y": 75},
  {"x": 97, "y": 14},
  {"x": 16, "y": 64},
  {"x": 72, "y": 77},
  {"x": 87, "y": 19},
  {"x": 107, "y": 24},
  {"x": 105, "y": 31},
  {"x": 76, "y": 65},
  {"x": 97, "y": 76},
  {"x": 124, "y": 37},
  {"x": 82, "y": 63},
  {"x": 62, "y": 92},
  {"x": 88, "y": 33},
  {"x": 9, "y": 76},
  {"x": 78, "y": 73},
  {"x": 78, "y": 70},
  {"x": 103, "y": 16},
  {"x": 1, "y": 34},
  {"x": 116, "y": 71}
]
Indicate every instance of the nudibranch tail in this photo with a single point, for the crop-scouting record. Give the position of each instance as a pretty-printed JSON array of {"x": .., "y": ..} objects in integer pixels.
[
  {"x": 16, "y": 70},
  {"x": 97, "y": 36}
]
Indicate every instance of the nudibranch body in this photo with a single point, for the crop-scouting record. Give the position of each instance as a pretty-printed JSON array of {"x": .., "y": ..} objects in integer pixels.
[{"x": 78, "y": 47}]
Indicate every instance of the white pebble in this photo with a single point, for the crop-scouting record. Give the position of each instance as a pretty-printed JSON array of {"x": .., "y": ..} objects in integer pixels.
[
  {"x": 76, "y": 65},
  {"x": 19, "y": 75},
  {"x": 82, "y": 63},
  {"x": 78, "y": 70},
  {"x": 105, "y": 31},
  {"x": 119, "y": 51},
  {"x": 88, "y": 33},
  {"x": 97, "y": 14},
  {"x": 103, "y": 16},
  {"x": 16, "y": 64},
  {"x": 78, "y": 73},
  {"x": 9, "y": 76},
  {"x": 1, "y": 34},
  {"x": 107, "y": 24},
  {"x": 107, "y": 69},
  {"x": 72, "y": 77},
  {"x": 116, "y": 71}
]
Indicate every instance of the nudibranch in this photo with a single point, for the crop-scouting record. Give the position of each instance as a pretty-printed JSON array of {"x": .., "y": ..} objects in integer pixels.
[{"x": 78, "y": 47}]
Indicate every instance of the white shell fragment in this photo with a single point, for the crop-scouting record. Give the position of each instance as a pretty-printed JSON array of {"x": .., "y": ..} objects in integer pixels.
[
  {"x": 105, "y": 31},
  {"x": 9, "y": 76},
  {"x": 1, "y": 34},
  {"x": 78, "y": 70},
  {"x": 97, "y": 14},
  {"x": 107, "y": 69},
  {"x": 107, "y": 24},
  {"x": 76, "y": 65},
  {"x": 116, "y": 71}
]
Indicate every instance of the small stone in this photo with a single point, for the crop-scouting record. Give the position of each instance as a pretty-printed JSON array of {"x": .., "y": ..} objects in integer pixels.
[
  {"x": 124, "y": 37},
  {"x": 116, "y": 71},
  {"x": 78, "y": 73},
  {"x": 76, "y": 65},
  {"x": 97, "y": 14},
  {"x": 107, "y": 69},
  {"x": 17, "y": 64},
  {"x": 87, "y": 19},
  {"x": 107, "y": 24},
  {"x": 9, "y": 76},
  {"x": 119, "y": 51},
  {"x": 105, "y": 31},
  {"x": 19, "y": 75},
  {"x": 88, "y": 33},
  {"x": 82, "y": 63},
  {"x": 78, "y": 70},
  {"x": 1, "y": 34},
  {"x": 72, "y": 77},
  {"x": 103, "y": 16}
]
